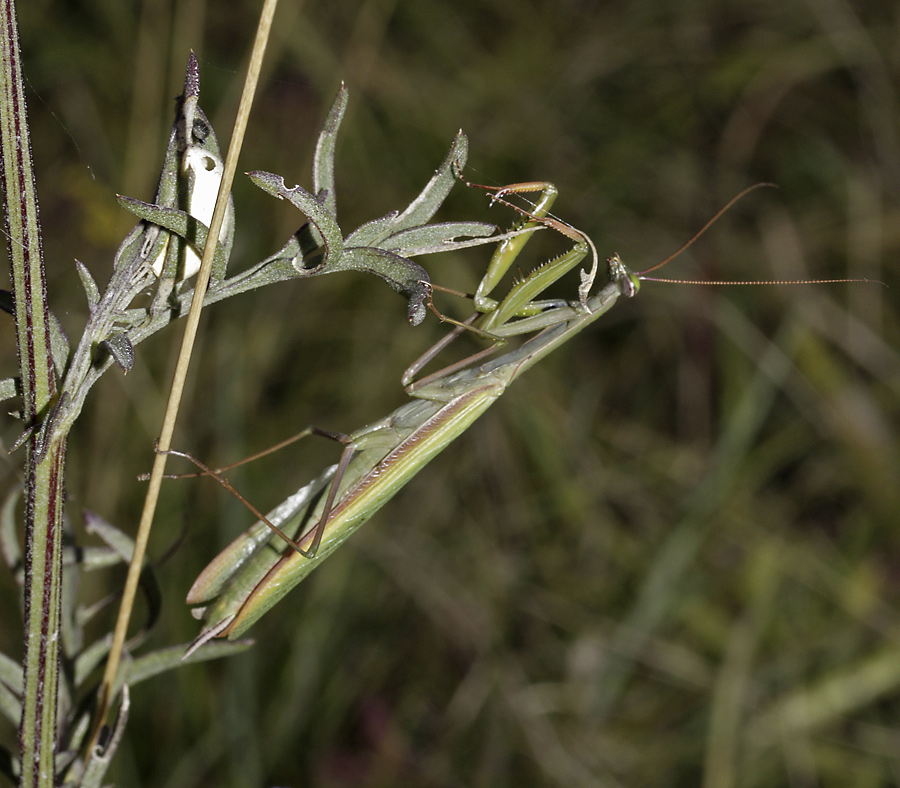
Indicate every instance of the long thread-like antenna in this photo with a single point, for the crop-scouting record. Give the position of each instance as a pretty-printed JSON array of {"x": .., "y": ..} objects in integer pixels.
[{"x": 642, "y": 275}]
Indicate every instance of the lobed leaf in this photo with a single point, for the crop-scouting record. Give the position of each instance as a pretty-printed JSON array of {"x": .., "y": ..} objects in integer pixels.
[
  {"x": 325, "y": 222},
  {"x": 323, "y": 161},
  {"x": 401, "y": 274},
  {"x": 436, "y": 190},
  {"x": 120, "y": 348},
  {"x": 87, "y": 282},
  {"x": 432, "y": 238}
]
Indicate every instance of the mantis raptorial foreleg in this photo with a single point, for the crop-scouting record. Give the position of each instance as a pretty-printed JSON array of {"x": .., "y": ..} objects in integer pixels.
[
  {"x": 522, "y": 299},
  {"x": 520, "y": 312}
]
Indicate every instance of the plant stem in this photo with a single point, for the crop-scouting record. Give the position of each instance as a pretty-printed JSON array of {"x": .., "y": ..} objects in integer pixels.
[
  {"x": 45, "y": 461},
  {"x": 190, "y": 332}
]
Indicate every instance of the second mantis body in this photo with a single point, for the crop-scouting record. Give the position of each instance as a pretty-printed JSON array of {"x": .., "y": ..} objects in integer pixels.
[{"x": 258, "y": 568}]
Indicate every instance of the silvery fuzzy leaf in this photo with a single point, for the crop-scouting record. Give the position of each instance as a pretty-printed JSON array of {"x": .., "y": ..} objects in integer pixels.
[
  {"x": 9, "y": 541},
  {"x": 87, "y": 282},
  {"x": 120, "y": 348},
  {"x": 443, "y": 237},
  {"x": 422, "y": 208},
  {"x": 180, "y": 223},
  {"x": 156, "y": 662},
  {"x": 323, "y": 162},
  {"x": 11, "y": 683},
  {"x": 59, "y": 345},
  {"x": 324, "y": 222},
  {"x": 374, "y": 232},
  {"x": 401, "y": 274},
  {"x": 436, "y": 190},
  {"x": 8, "y": 389}
]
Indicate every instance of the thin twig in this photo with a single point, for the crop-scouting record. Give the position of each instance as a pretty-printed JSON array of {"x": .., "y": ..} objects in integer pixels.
[{"x": 190, "y": 333}]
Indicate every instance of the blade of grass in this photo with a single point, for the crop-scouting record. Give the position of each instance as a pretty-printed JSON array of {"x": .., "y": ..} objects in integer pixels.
[{"x": 190, "y": 333}]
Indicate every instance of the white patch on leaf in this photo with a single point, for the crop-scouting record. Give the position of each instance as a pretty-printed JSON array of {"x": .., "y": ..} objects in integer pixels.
[{"x": 203, "y": 171}]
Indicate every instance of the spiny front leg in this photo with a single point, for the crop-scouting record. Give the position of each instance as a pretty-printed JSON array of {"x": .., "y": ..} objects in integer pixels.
[{"x": 523, "y": 299}]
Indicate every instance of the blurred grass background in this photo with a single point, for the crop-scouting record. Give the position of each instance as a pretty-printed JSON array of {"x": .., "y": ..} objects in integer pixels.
[{"x": 669, "y": 555}]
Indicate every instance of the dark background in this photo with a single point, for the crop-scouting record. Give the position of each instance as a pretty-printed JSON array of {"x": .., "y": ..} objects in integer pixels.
[{"x": 668, "y": 556}]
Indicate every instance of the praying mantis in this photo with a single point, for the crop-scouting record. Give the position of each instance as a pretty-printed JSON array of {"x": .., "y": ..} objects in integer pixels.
[{"x": 258, "y": 568}]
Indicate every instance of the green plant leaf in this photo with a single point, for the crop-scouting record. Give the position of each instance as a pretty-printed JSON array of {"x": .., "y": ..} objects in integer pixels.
[
  {"x": 9, "y": 388},
  {"x": 11, "y": 683},
  {"x": 323, "y": 162},
  {"x": 87, "y": 282},
  {"x": 120, "y": 348},
  {"x": 323, "y": 220}
]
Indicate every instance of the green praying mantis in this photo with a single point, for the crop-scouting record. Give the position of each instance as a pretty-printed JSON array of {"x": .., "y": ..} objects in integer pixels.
[{"x": 261, "y": 565}]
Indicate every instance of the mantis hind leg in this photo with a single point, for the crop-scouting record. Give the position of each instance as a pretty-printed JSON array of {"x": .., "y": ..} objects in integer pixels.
[{"x": 217, "y": 474}]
